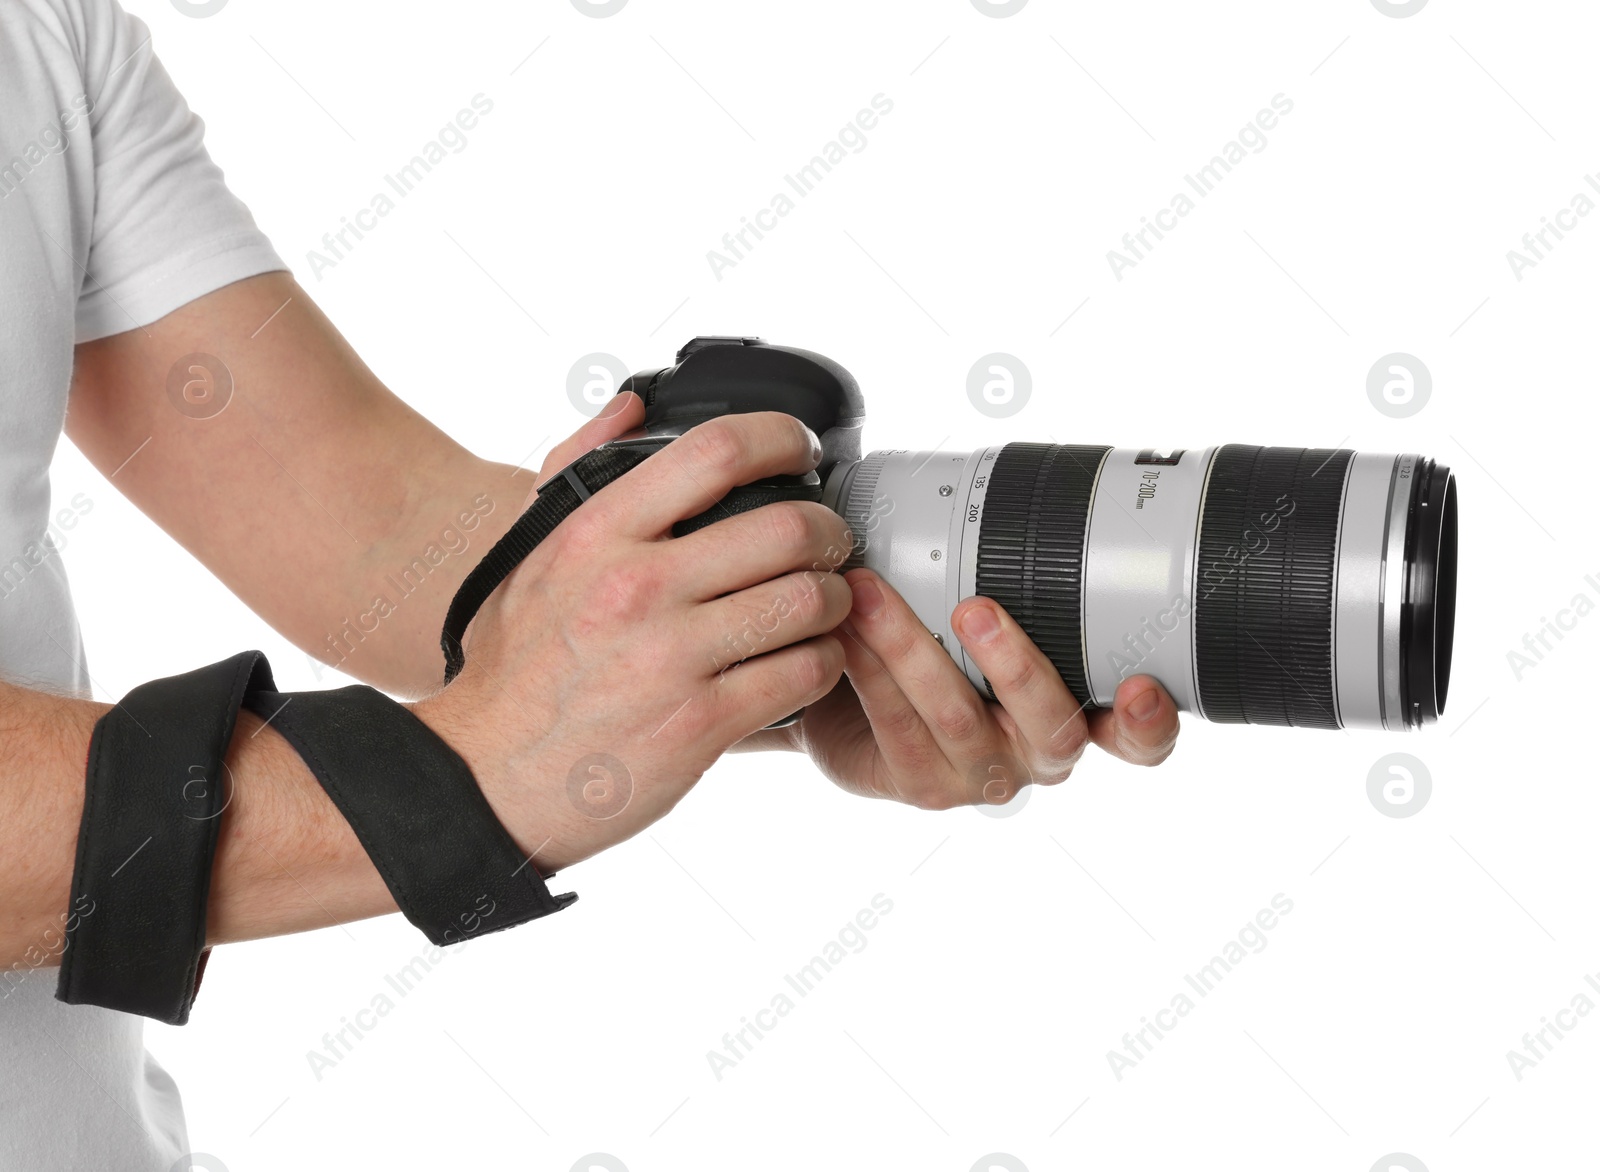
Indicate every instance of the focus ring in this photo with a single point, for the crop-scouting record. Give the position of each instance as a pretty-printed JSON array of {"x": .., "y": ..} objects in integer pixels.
[
  {"x": 1031, "y": 547},
  {"x": 860, "y": 506},
  {"x": 1264, "y": 585}
]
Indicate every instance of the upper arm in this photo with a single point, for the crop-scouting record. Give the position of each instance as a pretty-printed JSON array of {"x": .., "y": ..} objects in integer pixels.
[
  {"x": 165, "y": 229},
  {"x": 226, "y": 406}
]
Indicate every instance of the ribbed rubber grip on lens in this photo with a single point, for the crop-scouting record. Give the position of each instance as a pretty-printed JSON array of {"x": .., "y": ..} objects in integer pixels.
[
  {"x": 1031, "y": 546},
  {"x": 1264, "y": 585}
]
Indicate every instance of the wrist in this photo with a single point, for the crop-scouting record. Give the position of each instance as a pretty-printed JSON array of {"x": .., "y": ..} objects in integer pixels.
[
  {"x": 458, "y": 506},
  {"x": 550, "y": 833}
]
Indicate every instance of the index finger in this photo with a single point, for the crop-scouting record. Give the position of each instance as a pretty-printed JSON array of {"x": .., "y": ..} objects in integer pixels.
[{"x": 695, "y": 471}]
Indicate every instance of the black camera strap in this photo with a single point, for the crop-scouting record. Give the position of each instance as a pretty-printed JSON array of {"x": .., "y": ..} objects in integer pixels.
[
  {"x": 453, "y": 869},
  {"x": 558, "y": 498},
  {"x": 155, "y": 797}
]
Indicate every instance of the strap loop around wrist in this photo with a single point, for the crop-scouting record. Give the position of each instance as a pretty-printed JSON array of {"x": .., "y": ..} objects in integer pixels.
[
  {"x": 154, "y": 794},
  {"x": 453, "y": 869}
]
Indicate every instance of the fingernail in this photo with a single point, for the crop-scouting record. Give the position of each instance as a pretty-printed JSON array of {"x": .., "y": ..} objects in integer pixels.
[
  {"x": 866, "y": 598},
  {"x": 618, "y": 402},
  {"x": 1145, "y": 704},
  {"x": 980, "y": 624},
  {"x": 816, "y": 447}
]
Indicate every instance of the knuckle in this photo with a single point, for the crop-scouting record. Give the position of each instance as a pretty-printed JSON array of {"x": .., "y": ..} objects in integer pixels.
[
  {"x": 931, "y": 795},
  {"x": 959, "y": 722},
  {"x": 791, "y": 528},
  {"x": 792, "y": 602},
  {"x": 805, "y": 673},
  {"x": 622, "y": 594},
  {"x": 900, "y": 725},
  {"x": 833, "y": 597},
  {"x": 1162, "y": 751},
  {"x": 691, "y": 723},
  {"x": 916, "y": 790},
  {"x": 812, "y": 670},
  {"x": 834, "y": 540},
  {"x": 997, "y": 779},
  {"x": 829, "y": 541},
  {"x": 582, "y": 533},
  {"x": 752, "y": 688},
  {"x": 1053, "y": 773},
  {"x": 1020, "y": 673},
  {"x": 900, "y": 639},
  {"x": 808, "y": 598},
  {"x": 1137, "y": 752},
  {"x": 1066, "y": 742},
  {"x": 719, "y": 443}
]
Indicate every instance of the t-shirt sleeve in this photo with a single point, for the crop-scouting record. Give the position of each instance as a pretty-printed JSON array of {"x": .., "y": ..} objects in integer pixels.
[{"x": 166, "y": 228}]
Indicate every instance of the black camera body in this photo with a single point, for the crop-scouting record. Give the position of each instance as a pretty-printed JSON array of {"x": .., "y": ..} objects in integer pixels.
[{"x": 716, "y": 376}]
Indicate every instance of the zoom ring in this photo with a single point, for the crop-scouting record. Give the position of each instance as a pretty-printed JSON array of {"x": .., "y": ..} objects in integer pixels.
[
  {"x": 1264, "y": 585},
  {"x": 1031, "y": 547}
]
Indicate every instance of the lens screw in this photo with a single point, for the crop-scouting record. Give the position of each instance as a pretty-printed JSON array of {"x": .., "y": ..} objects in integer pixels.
[
  {"x": 947, "y": 490},
  {"x": 936, "y": 555}
]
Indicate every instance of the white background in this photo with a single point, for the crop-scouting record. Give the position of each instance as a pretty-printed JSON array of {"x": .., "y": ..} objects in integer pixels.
[{"x": 1020, "y": 949}]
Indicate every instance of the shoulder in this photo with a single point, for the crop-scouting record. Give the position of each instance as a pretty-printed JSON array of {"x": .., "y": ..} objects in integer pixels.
[
  {"x": 59, "y": 29},
  {"x": 93, "y": 37}
]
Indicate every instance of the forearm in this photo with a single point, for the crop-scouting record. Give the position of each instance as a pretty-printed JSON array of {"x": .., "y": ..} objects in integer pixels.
[
  {"x": 391, "y": 601},
  {"x": 286, "y": 860},
  {"x": 335, "y": 511}
]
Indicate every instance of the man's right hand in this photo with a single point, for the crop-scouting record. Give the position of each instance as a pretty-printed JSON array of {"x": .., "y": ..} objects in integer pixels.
[{"x": 604, "y": 676}]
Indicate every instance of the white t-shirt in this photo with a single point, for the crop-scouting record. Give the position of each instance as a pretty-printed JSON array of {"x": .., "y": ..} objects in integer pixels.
[{"x": 111, "y": 216}]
